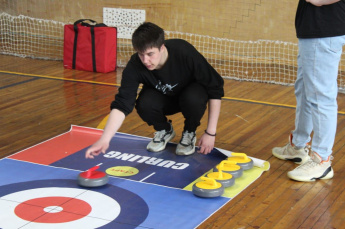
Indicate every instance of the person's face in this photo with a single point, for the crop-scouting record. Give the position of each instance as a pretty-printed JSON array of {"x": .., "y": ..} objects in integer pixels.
[{"x": 152, "y": 58}]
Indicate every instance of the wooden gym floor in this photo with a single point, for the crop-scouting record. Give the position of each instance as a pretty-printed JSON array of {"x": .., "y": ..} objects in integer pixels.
[{"x": 40, "y": 99}]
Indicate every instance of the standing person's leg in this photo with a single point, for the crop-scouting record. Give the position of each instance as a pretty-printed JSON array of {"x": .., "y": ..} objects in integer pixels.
[
  {"x": 322, "y": 90},
  {"x": 297, "y": 151},
  {"x": 303, "y": 117},
  {"x": 152, "y": 106},
  {"x": 320, "y": 62},
  {"x": 192, "y": 102}
]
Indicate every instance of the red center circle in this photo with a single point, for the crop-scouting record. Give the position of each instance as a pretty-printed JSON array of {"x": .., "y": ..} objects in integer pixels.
[{"x": 34, "y": 210}]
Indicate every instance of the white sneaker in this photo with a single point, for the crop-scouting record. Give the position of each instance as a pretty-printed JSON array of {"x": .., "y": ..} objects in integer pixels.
[
  {"x": 187, "y": 144},
  {"x": 315, "y": 168},
  {"x": 291, "y": 153},
  {"x": 160, "y": 140}
]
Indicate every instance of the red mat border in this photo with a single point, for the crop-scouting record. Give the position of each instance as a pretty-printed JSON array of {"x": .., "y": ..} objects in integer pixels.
[{"x": 61, "y": 146}]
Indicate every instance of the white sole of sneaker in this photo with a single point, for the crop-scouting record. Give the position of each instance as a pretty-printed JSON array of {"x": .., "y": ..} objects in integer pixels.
[
  {"x": 329, "y": 173},
  {"x": 185, "y": 153}
]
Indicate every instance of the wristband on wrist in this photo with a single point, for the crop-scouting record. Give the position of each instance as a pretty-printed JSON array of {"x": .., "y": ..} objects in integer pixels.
[{"x": 213, "y": 135}]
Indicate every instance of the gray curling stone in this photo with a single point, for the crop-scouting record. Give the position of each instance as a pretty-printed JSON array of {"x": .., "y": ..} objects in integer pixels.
[
  {"x": 225, "y": 179},
  {"x": 208, "y": 188},
  {"x": 93, "y": 178},
  {"x": 242, "y": 160},
  {"x": 230, "y": 167}
]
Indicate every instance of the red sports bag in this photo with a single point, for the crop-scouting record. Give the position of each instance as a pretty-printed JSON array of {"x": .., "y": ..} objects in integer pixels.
[{"x": 90, "y": 47}]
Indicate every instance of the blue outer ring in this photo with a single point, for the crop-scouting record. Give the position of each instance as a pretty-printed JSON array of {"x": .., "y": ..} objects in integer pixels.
[{"x": 131, "y": 216}]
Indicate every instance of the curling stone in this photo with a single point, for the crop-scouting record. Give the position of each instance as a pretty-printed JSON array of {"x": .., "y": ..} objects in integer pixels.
[
  {"x": 208, "y": 188},
  {"x": 93, "y": 178},
  {"x": 230, "y": 167},
  {"x": 242, "y": 160},
  {"x": 226, "y": 179}
]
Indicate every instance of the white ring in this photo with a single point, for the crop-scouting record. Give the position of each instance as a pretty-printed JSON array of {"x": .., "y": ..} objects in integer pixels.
[{"x": 104, "y": 208}]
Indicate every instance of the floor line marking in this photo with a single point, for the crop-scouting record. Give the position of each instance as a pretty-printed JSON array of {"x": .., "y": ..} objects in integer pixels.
[
  {"x": 147, "y": 176},
  {"x": 18, "y": 83},
  {"x": 59, "y": 78},
  {"x": 118, "y": 85}
]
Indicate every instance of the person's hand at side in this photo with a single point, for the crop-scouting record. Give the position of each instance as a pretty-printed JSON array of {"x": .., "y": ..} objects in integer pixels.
[
  {"x": 207, "y": 140},
  {"x": 206, "y": 143}
]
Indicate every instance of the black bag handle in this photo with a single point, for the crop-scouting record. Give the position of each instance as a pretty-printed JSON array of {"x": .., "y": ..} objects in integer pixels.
[
  {"x": 82, "y": 22},
  {"x": 93, "y": 48}
]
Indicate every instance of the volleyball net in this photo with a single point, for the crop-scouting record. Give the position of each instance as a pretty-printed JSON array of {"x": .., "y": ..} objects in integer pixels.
[{"x": 265, "y": 61}]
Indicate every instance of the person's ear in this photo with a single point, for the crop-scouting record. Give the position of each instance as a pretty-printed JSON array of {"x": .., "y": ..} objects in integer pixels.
[{"x": 162, "y": 47}]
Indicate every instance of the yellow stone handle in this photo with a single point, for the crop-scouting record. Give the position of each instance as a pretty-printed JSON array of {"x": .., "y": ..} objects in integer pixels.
[
  {"x": 212, "y": 182},
  {"x": 221, "y": 167},
  {"x": 226, "y": 162},
  {"x": 245, "y": 157}
]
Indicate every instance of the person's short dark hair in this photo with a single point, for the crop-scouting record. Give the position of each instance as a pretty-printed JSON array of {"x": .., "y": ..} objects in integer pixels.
[{"x": 147, "y": 35}]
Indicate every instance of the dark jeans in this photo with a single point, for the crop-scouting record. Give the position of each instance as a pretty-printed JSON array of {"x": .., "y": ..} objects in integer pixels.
[{"x": 153, "y": 106}]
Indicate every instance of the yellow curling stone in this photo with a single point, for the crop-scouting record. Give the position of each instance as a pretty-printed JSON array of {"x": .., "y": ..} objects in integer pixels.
[
  {"x": 226, "y": 179},
  {"x": 242, "y": 160},
  {"x": 230, "y": 167},
  {"x": 208, "y": 188}
]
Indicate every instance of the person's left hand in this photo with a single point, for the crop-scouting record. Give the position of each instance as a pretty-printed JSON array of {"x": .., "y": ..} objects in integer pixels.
[{"x": 206, "y": 143}]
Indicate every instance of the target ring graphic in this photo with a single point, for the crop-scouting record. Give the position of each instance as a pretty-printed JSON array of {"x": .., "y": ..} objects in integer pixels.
[
  {"x": 60, "y": 202},
  {"x": 55, "y": 208}
]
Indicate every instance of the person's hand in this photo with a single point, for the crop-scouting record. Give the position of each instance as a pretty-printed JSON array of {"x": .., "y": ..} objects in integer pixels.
[
  {"x": 96, "y": 149},
  {"x": 206, "y": 143}
]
